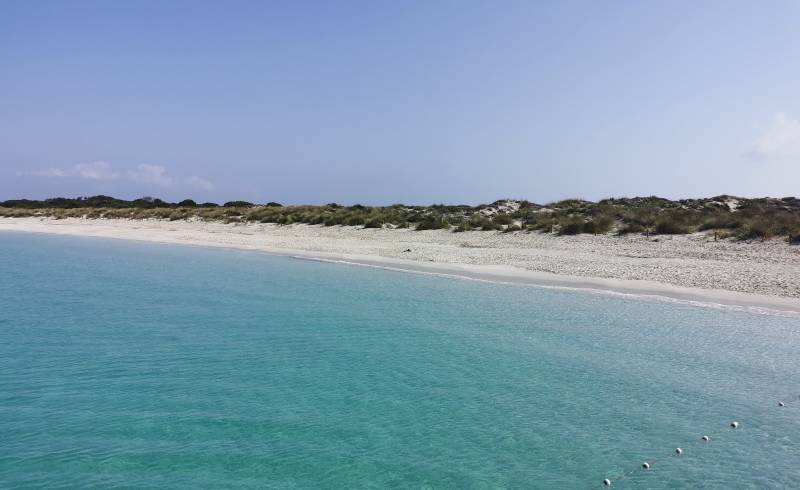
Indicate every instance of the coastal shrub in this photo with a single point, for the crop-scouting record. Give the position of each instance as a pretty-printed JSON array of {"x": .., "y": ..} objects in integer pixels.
[
  {"x": 527, "y": 217},
  {"x": 598, "y": 225},
  {"x": 755, "y": 231},
  {"x": 783, "y": 224},
  {"x": 113, "y": 213},
  {"x": 643, "y": 217},
  {"x": 433, "y": 222},
  {"x": 162, "y": 213},
  {"x": 745, "y": 218},
  {"x": 502, "y": 219},
  {"x": 571, "y": 226},
  {"x": 373, "y": 223},
  {"x": 630, "y": 228},
  {"x": 545, "y": 224},
  {"x": 721, "y": 222},
  {"x": 667, "y": 226},
  {"x": 284, "y": 219},
  {"x": 179, "y": 214},
  {"x": 477, "y": 221},
  {"x": 569, "y": 204},
  {"x": 17, "y": 213},
  {"x": 213, "y": 214},
  {"x": 333, "y": 220},
  {"x": 355, "y": 220},
  {"x": 480, "y": 222}
]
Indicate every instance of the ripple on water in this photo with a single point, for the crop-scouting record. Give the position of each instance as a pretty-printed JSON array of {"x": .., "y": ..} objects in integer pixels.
[{"x": 185, "y": 368}]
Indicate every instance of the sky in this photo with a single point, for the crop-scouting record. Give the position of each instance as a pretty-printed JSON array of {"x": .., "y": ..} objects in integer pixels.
[{"x": 382, "y": 102}]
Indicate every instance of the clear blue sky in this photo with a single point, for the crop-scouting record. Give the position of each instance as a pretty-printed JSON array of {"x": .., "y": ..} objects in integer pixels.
[{"x": 381, "y": 102}]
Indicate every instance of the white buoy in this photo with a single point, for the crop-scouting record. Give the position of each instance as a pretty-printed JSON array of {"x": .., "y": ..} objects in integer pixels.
[
  {"x": 735, "y": 425},
  {"x": 781, "y": 404},
  {"x": 646, "y": 465},
  {"x": 678, "y": 450},
  {"x": 607, "y": 482},
  {"x": 705, "y": 438}
]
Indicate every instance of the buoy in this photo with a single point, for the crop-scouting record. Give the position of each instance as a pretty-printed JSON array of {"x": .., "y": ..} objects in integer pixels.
[
  {"x": 735, "y": 425},
  {"x": 646, "y": 465},
  {"x": 781, "y": 404},
  {"x": 705, "y": 438},
  {"x": 607, "y": 482},
  {"x": 678, "y": 450}
]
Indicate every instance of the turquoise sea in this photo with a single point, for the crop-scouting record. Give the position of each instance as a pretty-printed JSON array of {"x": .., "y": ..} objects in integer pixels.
[{"x": 134, "y": 365}]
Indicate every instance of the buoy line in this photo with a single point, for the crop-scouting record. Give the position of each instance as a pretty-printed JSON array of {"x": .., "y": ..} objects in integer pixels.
[
  {"x": 677, "y": 452},
  {"x": 649, "y": 464}
]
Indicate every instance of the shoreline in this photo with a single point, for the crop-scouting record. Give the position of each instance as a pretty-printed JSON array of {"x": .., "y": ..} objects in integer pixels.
[
  {"x": 617, "y": 287},
  {"x": 220, "y": 236}
]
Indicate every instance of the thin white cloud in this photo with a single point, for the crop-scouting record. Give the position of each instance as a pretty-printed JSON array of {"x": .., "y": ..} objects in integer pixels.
[
  {"x": 199, "y": 183},
  {"x": 93, "y": 171},
  {"x": 151, "y": 174},
  {"x": 156, "y": 175},
  {"x": 48, "y": 172},
  {"x": 780, "y": 140}
]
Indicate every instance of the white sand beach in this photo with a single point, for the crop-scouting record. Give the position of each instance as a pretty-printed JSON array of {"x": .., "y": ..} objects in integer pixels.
[{"x": 686, "y": 267}]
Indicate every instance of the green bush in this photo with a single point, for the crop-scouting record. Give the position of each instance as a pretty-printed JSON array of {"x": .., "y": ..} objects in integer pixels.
[
  {"x": 751, "y": 218},
  {"x": 598, "y": 225},
  {"x": 755, "y": 230},
  {"x": 631, "y": 228},
  {"x": 355, "y": 220},
  {"x": 721, "y": 222},
  {"x": 502, "y": 219},
  {"x": 571, "y": 226},
  {"x": 667, "y": 226},
  {"x": 432, "y": 223}
]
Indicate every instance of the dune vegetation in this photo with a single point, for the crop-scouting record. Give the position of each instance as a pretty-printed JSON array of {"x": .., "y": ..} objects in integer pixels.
[{"x": 723, "y": 216}]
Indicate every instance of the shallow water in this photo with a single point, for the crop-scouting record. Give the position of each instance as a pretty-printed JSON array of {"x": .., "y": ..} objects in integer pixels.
[{"x": 156, "y": 366}]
